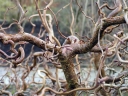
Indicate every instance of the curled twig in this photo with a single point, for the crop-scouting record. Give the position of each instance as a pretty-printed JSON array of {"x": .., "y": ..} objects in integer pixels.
[{"x": 22, "y": 56}]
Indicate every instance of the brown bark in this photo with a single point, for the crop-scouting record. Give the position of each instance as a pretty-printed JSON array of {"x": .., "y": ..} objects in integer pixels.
[
  {"x": 84, "y": 48},
  {"x": 65, "y": 61},
  {"x": 71, "y": 77}
]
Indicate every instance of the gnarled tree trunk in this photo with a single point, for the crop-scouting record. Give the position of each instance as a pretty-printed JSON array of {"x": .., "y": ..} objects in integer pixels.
[{"x": 71, "y": 77}]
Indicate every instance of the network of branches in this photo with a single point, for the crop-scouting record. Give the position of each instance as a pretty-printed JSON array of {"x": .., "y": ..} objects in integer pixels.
[{"x": 104, "y": 53}]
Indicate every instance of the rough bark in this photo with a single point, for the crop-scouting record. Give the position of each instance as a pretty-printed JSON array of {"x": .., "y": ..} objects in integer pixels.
[
  {"x": 71, "y": 77},
  {"x": 65, "y": 61}
]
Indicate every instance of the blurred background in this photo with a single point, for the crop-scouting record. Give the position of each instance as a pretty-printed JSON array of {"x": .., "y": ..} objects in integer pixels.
[{"x": 82, "y": 26}]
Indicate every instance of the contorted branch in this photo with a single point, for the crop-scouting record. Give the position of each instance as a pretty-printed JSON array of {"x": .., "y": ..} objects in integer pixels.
[
  {"x": 118, "y": 8},
  {"x": 125, "y": 11},
  {"x": 29, "y": 38},
  {"x": 46, "y": 24},
  {"x": 76, "y": 48},
  {"x": 117, "y": 51},
  {"x": 22, "y": 13},
  {"x": 83, "y": 48},
  {"x": 20, "y": 9},
  {"x": 6, "y": 92},
  {"x": 22, "y": 56}
]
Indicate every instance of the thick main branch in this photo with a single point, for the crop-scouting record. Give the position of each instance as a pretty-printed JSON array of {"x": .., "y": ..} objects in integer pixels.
[
  {"x": 29, "y": 38},
  {"x": 84, "y": 48}
]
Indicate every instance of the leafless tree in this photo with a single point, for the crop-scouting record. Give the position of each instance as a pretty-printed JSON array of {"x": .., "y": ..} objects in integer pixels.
[{"x": 109, "y": 80}]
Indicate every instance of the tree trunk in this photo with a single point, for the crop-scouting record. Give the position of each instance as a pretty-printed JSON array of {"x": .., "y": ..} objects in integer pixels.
[{"x": 69, "y": 72}]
